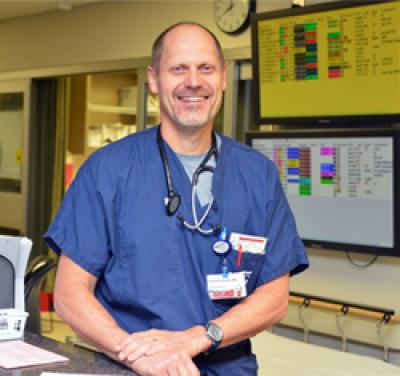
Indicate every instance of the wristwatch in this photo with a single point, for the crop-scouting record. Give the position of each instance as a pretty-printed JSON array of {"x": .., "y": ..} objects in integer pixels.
[{"x": 215, "y": 334}]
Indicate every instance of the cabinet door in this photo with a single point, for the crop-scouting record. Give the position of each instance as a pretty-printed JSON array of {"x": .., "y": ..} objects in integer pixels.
[
  {"x": 14, "y": 97},
  {"x": 77, "y": 114},
  {"x": 103, "y": 109}
]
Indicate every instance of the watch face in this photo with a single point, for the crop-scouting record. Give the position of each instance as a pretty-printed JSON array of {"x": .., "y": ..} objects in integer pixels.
[
  {"x": 215, "y": 332},
  {"x": 232, "y": 15}
]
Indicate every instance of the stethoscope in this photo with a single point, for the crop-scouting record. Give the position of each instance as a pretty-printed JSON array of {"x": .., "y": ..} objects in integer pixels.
[{"x": 173, "y": 200}]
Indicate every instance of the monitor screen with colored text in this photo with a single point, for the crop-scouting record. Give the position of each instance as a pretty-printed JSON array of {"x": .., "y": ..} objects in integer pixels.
[
  {"x": 330, "y": 62},
  {"x": 341, "y": 186}
]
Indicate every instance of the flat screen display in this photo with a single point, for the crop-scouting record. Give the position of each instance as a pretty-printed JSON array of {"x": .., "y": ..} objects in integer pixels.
[
  {"x": 341, "y": 188},
  {"x": 328, "y": 62}
]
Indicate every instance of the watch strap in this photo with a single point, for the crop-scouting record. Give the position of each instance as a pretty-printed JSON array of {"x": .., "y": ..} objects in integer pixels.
[{"x": 213, "y": 347}]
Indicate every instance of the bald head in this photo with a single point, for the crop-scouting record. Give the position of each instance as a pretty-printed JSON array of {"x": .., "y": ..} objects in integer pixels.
[{"x": 158, "y": 45}]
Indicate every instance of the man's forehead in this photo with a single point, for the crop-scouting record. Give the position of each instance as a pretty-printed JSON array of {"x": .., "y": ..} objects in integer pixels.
[
  {"x": 180, "y": 41},
  {"x": 184, "y": 30}
]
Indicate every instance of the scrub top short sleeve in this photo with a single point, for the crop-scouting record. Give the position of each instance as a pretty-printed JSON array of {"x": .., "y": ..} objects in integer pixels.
[
  {"x": 285, "y": 253},
  {"x": 79, "y": 229}
]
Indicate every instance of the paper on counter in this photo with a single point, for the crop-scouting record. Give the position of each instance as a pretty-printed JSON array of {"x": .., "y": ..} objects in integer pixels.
[
  {"x": 15, "y": 354},
  {"x": 72, "y": 374}
]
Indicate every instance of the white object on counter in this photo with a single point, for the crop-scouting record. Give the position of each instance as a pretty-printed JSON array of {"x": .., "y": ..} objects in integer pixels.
[{"x": 12, "y": 323}]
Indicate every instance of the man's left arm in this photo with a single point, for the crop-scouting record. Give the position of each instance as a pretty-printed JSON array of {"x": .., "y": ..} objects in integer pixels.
[{"x": 266, "y": 306}]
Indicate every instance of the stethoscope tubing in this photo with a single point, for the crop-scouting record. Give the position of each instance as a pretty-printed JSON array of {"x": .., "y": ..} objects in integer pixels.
[{"x": 172, "y": 201}]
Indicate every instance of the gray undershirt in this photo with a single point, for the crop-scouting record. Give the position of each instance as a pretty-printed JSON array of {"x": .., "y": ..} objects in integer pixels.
[{"x": 190, "y": 163}]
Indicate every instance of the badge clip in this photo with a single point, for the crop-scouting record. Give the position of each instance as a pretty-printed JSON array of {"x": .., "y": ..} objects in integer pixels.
[{"x": 222, "y": 247}]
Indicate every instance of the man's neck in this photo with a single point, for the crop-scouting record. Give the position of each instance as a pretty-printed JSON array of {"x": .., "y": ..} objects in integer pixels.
[{"x": 187, "y": 140}]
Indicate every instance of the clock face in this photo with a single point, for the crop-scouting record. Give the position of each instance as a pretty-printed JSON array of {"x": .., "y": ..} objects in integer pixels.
[{"x": 232, "y": 15}]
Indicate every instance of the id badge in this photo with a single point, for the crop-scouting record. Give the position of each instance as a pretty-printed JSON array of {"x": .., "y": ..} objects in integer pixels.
[
  {"x": 248, "y": 243},
  {"x": 232, "y": 286}
]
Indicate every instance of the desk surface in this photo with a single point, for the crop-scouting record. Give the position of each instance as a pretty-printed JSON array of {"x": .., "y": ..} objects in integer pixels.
[{"x": 80, "y": 360}]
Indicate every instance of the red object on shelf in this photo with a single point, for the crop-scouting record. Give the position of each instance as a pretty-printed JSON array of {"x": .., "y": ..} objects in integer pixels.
[
  {"x": 69, "y": 174},
  {"x": 46, "y": 301}
]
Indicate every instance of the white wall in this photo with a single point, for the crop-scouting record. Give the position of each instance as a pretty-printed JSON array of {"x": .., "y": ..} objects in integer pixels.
[
  {"x": 105, "y": 31},
  {"x": 99, "y": 32},
  {"x": 120, "y": 30},
  {"x": 333, "y": 276}
]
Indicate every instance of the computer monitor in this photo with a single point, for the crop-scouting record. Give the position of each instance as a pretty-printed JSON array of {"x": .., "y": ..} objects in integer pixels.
[
  {"x": 342, "y": 186},
  {"x": 327, "y": 63}
]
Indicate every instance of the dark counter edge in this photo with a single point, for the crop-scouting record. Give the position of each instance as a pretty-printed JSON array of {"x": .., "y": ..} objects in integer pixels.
[{"x": 80, "y": 360}]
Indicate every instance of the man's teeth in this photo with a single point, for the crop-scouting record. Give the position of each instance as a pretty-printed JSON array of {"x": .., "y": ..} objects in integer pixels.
[{"x": 192, "y": 99}]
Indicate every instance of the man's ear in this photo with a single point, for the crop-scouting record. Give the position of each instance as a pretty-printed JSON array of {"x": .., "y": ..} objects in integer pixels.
[{"x": 152, "y": 79}]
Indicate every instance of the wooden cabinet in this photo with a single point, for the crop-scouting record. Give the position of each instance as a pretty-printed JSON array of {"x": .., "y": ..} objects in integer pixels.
[
  {"x": 77, "y": 114},
  {"x": 103, "y": 108}
]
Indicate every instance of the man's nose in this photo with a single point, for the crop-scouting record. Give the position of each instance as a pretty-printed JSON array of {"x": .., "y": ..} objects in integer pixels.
[{"x": 193, "y": 79}]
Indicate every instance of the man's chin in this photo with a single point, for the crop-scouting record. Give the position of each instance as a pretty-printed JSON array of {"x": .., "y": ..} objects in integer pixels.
[{"x": 192, "y": 124}]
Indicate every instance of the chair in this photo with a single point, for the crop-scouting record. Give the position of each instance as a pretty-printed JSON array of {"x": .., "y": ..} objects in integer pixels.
[
  {"x": 37, "y": 270},
  {"x": 14, "y": 254}
]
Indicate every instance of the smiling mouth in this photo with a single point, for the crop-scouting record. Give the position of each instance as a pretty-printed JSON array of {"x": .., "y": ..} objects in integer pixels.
[{"x": 192, "y": 99}]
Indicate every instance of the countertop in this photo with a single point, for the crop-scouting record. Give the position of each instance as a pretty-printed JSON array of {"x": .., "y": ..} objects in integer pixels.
[{"x": 80, "y": 360}]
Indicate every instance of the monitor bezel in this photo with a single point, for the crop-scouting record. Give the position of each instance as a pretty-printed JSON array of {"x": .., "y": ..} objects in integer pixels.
[
  {"x": 310, "y": 120},
  {"x": 343, "y": 133}
]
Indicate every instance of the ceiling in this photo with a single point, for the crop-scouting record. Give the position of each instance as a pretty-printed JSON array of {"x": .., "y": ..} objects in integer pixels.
[{"x": 22, "y": 8}]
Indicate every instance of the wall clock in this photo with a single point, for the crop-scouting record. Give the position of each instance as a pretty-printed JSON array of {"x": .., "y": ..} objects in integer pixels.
[{"x": 233, "y": 16}]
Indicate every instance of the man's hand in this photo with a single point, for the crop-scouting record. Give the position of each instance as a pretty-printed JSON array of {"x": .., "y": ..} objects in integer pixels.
[
  {"x": 165, "y": 364},
  {"x": 148, "y": 343}
]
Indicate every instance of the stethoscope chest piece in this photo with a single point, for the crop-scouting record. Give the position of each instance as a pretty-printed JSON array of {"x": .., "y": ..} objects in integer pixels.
[{"x": 172, "y": 203}]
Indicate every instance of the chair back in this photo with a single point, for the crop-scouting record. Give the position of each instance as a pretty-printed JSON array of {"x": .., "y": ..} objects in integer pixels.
[{"x": 36, "y": 273}]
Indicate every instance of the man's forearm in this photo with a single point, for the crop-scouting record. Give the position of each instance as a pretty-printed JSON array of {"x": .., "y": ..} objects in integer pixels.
[
  {"x": 262, "y": 309},
  {"x": 265, "y": 307},
  {"x": 77, "y": 306},
  {"x": 90, "y": 321}
]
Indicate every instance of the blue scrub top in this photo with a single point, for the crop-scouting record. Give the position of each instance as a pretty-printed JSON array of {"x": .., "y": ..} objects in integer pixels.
[{"x": 151, "y": 270}]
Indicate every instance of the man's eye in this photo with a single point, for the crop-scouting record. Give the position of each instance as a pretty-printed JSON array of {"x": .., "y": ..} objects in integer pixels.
[
  {"x": 178, "y": 69},
  {"x": 207, "y": 68}
]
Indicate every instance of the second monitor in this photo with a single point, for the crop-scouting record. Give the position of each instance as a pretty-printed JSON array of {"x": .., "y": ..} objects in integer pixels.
[{"x": 341, "y": 185}]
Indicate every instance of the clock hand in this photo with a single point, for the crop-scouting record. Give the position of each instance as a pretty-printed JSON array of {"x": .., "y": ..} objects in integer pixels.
[{"x": 229, "y": 8}]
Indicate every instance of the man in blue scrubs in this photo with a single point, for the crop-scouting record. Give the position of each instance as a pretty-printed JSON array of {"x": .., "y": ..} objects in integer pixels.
[{"x": 144, "y": 275}]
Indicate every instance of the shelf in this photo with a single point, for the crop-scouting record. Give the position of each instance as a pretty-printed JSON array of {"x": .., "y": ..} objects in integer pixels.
[
  {"x": 111, "y": 109},
  {"x": 118, "y": 110},
  {"x": 95, "y": 100},
  {"x": 152, "y": 113}
]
